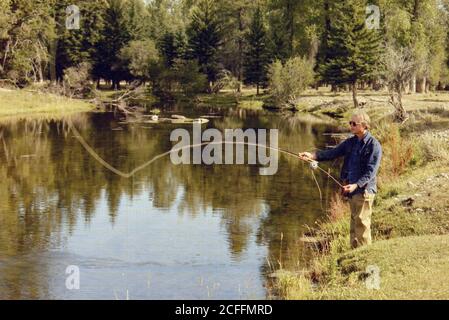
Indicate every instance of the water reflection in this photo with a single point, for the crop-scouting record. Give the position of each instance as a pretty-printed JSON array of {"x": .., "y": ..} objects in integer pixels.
[{"x": 168, "y": 232}]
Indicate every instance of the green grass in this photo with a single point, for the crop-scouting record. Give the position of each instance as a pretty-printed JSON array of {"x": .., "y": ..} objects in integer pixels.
[
  {"x": 410, "y": 268},
  {"x": 247, "y": 99},
  {"x": 21, "y": 103},
  {"x": 411, "y": 240},
  {"x": 411, "y": 243}
]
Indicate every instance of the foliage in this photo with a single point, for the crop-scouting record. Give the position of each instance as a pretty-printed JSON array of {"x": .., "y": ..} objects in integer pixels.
[
  {"x": 114, "y": 37},
  {"x": 257, "y": 56},
  {"x": 225, "y": 79},
  {"x": 205, "y": 37},
  {"x": 241, "y": 36},
  {"x": 353, "y": 49},
  {"x": 287, "y": 81},
  {"x": 400, "y": 66},
  {"x": 138, "y": 57},
  {"x": 77, "y": 82},
  {"x": 190, "y": 79}
]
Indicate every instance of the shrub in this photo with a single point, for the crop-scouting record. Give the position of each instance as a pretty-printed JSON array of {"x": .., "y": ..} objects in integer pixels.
[
  {"x": 189, "y": 78},
  {"x": 225, "y": 79},
  {"x": 434, "y": 147},
  {"x": 77, "y": 81},
  {"x": 338, "y": 208},
  {"x": 287, "y": 81},
  {"x": 139, "y": 57},
  {"x": 399, "y": 154}
]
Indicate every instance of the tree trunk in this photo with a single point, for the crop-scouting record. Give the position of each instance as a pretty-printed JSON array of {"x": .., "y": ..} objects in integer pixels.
[
  {"x": 413, "y": 85},
  {"x": 240, "y": 44},
  {"x": 354, "y": 95},
  {"x": 40, "y": 73},
  {"x": 421, "y": 85},
  {"x": 291, "y": 25},
  {"x": 257, "y": 88},
  {"x": 52, "y": 63},
  {"x": 407, "y": 88}
]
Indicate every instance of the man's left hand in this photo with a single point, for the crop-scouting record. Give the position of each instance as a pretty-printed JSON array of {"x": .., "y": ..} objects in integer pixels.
[{"x": 350, "y": 188}]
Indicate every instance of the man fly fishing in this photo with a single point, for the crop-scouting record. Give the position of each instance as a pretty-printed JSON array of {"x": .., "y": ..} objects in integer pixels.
[{"x": 362, "y": 155}]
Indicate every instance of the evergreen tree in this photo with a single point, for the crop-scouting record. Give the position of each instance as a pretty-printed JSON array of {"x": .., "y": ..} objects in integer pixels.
[
  {"x": 257, "y": 57},
  {"x": 77, "y": 46},
  {"x": 205, "y": 37},
  {"x": 354, "y": 50},
  {"x": 236, "y": 16},
  {"x": 115, "y": 36},
  {"x": 137, "y": 18},
  {"x": 172, "y": 47}
]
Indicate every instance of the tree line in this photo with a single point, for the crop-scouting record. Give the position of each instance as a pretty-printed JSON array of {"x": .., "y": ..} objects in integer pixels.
[{"x": 198, "y": 45}]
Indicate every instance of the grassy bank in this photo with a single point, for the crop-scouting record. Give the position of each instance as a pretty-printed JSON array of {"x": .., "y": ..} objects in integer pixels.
[
  {"x": 410, "y": 225},
  {"x": 20, "y": 103}
]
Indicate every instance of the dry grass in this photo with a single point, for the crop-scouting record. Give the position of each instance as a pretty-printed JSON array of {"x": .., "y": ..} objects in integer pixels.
[
  {"x": 338, "y": 208},
  {"x": 20, "y": 103},
  {"x": 434, "y": 147},
  {"x": 399, "y": 154}
]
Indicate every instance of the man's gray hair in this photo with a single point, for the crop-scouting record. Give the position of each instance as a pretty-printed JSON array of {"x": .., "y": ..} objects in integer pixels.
[{"x": 363, "y": 116}]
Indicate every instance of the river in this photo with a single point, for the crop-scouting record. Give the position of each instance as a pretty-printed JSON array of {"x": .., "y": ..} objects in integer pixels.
[{"x": 168, "y": 232}]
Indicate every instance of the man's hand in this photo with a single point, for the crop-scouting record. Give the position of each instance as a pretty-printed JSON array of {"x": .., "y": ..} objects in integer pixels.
[
  {"x": 350, "y": 188},
  {"x": 307, "y": 156}
]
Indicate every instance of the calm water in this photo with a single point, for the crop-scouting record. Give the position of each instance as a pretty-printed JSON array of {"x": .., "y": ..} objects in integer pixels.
[{"x": 169, "y": 232}]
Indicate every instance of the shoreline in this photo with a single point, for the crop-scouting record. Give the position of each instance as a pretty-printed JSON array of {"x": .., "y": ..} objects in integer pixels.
[
  {"x": 410, "y": 227},
  {"x": 17, "y": 104}
]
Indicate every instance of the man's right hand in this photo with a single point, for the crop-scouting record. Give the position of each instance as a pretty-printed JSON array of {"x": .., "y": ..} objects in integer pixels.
[{"x": 307, "y": 156}]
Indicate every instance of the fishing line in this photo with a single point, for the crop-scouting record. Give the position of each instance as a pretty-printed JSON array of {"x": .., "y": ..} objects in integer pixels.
[{"x": 314, "y": 164}]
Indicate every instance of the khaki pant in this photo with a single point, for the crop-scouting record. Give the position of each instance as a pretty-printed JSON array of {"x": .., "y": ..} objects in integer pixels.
[{"x": 361, "y": 209}]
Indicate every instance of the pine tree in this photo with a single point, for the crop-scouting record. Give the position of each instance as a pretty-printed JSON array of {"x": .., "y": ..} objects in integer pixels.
[
  {"x": 205, "y": 38},
  {"x": 137, "y": 18},
  {"x": 78, "y": 46},
  {"x": 257, "y": 57},
  {"x": 172, "y": 47},
  {"x": 115, "y": 36},
  {"x": 353, "y": 50}
]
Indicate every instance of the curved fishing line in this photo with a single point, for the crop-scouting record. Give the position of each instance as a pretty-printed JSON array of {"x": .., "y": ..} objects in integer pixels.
[{"x": 104, "y": 163}]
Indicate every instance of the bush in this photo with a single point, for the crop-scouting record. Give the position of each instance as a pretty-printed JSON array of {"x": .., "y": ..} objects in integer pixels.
[
  {"x": 338, "y": 208},
  {"x": 434, "y": 147},
  {"x": 77, "y": 81},
  {"x": 139, "y": 57},
  {"x": 288, "y": 81},
  {"x": 225, "y": 79},
  {"x": 184, "y": 77},
  {"x": 189, "y": 78},
  {"x": 399, "y": 154}
]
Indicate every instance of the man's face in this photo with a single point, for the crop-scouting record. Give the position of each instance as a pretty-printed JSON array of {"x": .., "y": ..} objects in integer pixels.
[{"x": 356, "y": 125}]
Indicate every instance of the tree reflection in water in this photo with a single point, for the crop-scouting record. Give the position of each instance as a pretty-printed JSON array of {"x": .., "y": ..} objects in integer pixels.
[{"x": 50, "y": 186}]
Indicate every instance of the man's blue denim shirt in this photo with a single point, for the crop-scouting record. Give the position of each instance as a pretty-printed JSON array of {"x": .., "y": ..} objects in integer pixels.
[{"x": 361, "y": 161}]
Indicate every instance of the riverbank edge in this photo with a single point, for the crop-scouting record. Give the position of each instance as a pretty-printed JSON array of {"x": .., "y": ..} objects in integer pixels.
[
  {"x": 338, "y": 272},
  {"x": 25, "y": 104}
]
